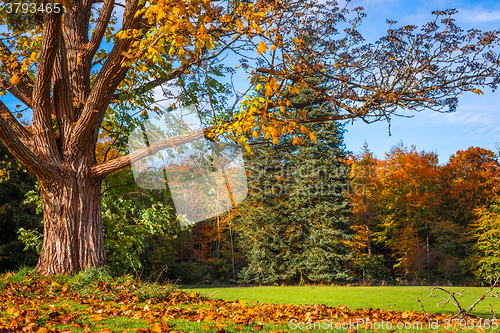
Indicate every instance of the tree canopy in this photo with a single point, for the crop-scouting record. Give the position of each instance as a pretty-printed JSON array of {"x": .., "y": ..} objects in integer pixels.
[{"x": 92, "y": 66}]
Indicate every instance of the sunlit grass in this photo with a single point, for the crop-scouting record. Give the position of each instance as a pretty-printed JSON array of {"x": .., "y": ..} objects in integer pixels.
[
  {"x": 94, "y": 301},
  {"x": 388, "y": 298}
]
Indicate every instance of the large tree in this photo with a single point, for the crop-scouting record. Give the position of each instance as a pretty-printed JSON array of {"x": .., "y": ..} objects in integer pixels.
[
  {"x": 295, "y": 223},
  {"x": 409, "y": 207},
  {"x": 92, "y": 62}
]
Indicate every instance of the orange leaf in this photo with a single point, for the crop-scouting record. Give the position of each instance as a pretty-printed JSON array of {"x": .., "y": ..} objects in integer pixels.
[
  {"x": 261, "y": 48},
  {"x": 155, "y": 328},
  {"x": 15, "y": 80}
]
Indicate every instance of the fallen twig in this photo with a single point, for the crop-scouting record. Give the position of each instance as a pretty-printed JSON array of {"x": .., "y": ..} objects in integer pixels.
[{"x": 462, "y": 312}]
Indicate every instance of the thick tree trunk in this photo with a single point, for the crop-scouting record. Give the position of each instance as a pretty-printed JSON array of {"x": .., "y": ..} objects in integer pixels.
[{"x": 73, "y": 235}]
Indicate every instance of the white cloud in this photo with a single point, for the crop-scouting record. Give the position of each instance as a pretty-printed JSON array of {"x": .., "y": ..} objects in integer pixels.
[
  {"x": 474, "y": 122},
  {"x": 478, "y": 15}
]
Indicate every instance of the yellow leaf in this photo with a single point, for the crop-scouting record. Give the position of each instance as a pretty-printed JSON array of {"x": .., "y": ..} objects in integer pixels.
[
  {"x": 311, "y": 136},
  {"x": 243, "y": 304},
  {"x": 203, "y": 30},
  {"x": 155, "y": 328},
  {"x": 262, "y": 48},
  {"x": 255, "y": 134},
  {"x": 55, "y": 284},
  {"x": 273, "y": 47},
  {"x": 477, "y": 91},
  {"x": 296, "y": 140},
  {"x": 15, "y": 80}
]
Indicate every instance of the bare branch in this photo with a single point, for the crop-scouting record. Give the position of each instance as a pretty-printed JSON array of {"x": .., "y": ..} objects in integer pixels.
[
  {"x": 16, "y": 93},
  {"x": 493, "y": 312},
  {"x": 493, "y": 285},
  {"x": 103, "y": 169},
  {"x": 151, "y": 85},
  {"x": 462, "y": 312},
  {"x": 419, "y": 300},
  {"x": 451, "y": 295},
  {"x": 17, "y": 128},
  {"x": 99, "y": 30}
]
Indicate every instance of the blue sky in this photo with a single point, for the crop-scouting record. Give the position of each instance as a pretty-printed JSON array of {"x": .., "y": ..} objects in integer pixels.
[{"x": 477, "y": 119}]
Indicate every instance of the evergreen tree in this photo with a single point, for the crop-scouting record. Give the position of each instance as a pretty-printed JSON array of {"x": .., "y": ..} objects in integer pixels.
[{"x": 295, "y": 224}]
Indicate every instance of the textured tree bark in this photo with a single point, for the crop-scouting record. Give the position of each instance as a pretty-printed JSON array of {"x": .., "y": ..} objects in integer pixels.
[{"x": 73, "y": 235}]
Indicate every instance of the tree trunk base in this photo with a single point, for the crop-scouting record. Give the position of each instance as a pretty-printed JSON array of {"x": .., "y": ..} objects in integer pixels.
[{"x": 73, "y": 232}]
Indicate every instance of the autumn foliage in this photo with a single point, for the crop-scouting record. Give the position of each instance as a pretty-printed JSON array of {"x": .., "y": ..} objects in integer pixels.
[
  {"x": 92, "y": 302},
  {"x": 425, "y": 217}
]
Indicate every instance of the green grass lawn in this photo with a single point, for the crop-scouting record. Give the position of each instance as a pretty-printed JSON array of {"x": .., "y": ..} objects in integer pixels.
[
  {"x": 94, "y": 301},
  {"x": 387, "y": 298}
]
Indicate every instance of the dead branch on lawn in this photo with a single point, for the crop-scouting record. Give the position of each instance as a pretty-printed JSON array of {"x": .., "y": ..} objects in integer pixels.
[{"x": 452, "y": 299}]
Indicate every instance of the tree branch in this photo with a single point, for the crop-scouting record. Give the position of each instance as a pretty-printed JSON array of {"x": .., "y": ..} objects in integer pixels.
[
  {"x": 150, "y": 85},
  {"x": 20, "y": 131},
  {"x": 99, "y": 30},
  {"x": 103, "y": 169},
  {"x": 12, "y": 135},
  {"x": 16, "y": 93},
  {"x": 26, "y": 85},
  {"x": 172, "y": 75},
  {"x": 43, "y": 133},
  {"x": 62, "y": 92},
  {"x": 108, "y": 79}
]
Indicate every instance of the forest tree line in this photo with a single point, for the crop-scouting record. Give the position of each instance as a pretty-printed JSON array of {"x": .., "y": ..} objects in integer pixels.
[{"x": 315, "y": 213}]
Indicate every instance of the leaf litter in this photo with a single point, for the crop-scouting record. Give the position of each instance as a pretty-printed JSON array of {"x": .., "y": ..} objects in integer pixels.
[{"x": 43, "y": 305}]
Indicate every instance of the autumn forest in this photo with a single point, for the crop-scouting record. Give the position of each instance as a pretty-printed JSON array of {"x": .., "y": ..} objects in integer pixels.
[{"x": 331, "y": 217}]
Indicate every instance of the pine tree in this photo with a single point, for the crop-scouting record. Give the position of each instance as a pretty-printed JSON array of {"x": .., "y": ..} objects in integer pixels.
[{"x": 295, "y": 223}]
